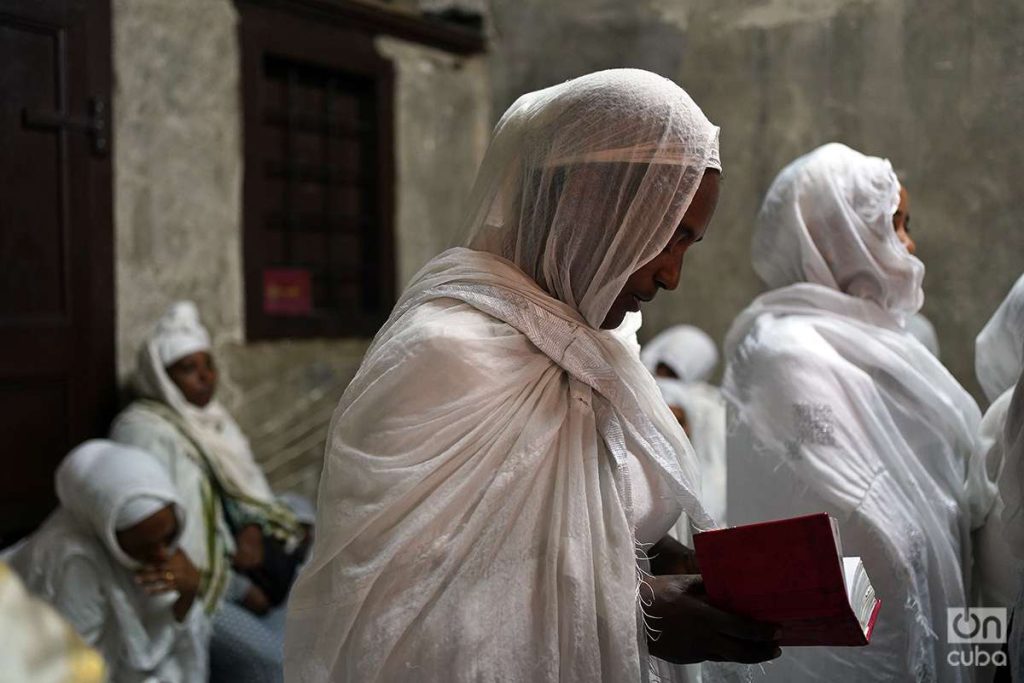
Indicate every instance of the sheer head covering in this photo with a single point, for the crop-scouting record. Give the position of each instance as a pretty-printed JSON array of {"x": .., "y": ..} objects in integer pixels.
[
  {"x": 827, "y": 220},
  {"x": 478, "y": 456},
  {"x": 997, "y": 350},
  {"x": 104, "y": 485},
  {"x": 836, "y": 408},
  {"x": 921, "y": 329},
  {"x": 139, "y": 633},
  {"x": 176, "y": 334},
  {"x": 586, "y": 181},
  {"x": 689, "y": 351}
]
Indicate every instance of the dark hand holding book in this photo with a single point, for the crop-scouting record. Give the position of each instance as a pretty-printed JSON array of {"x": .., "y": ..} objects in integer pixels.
[{"x": 790, "y": 572}]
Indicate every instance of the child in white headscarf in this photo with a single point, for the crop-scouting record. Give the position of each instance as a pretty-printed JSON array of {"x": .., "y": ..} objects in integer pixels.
[
  {"x": 998, "y": 364},
  {"x": 683, "y": 358},
  {"x": 237, "y": 519},
  {"x": 501, "y": 452},
  {"x": 837, "y": 409},
  {"x": 107, "y": 559}
]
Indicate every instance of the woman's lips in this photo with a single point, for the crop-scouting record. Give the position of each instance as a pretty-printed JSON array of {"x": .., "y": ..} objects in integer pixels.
[{"x": 634, "y": 304}]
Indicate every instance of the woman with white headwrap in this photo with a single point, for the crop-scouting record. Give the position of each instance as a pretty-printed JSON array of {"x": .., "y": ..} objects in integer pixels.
[
  {"x": 997, "y": 363},
  {"x": 107, "y": 560},
  {"x": 240, "y": 531},
  {"x": 1011, "y": 493},
  {"x": 683, "y": 358},
  {"x": 500, "y": 455},
  {"x": 837, "y": 409}
]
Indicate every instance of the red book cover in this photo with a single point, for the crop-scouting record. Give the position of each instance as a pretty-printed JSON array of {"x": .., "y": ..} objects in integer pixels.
[{"x": 788, "y": 572}]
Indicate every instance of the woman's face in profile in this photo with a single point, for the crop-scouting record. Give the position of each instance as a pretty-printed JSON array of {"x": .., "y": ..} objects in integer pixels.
[
  {"x": 901, "y": 221},
  {"x": 662, "y": 272}
]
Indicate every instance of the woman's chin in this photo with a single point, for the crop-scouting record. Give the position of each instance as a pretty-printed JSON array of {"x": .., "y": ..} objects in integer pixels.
[{"x": 614, "y": 318}]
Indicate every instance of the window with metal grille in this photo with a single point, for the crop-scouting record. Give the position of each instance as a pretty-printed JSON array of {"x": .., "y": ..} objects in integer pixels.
[{"x": 318, "y": 237}]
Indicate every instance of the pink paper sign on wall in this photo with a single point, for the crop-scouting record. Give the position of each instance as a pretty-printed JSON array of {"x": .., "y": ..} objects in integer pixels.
[{"x": 287, "y": 292}]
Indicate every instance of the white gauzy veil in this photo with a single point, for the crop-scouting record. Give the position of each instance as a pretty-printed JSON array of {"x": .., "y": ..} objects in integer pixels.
[
  {"x": 827, "y": 220},
  {"x": 608, "y": 163}
]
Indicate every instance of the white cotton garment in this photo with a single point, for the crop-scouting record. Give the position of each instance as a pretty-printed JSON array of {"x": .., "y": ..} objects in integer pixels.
[
  {"x": 74, "y": 562},
  {"x": 834, "y": 408},
  {"x": 1011, "y": 492},
  {"x": 687, "y": 350},
  {"x": 997, "y": 349},
  {"x": 705, "y": 414},
  {"x": 177, "y": 334},
  {"x": 474, "y": 520},
  {"x": 998, "y": 364},
  {"x": 921, "y": 329}
]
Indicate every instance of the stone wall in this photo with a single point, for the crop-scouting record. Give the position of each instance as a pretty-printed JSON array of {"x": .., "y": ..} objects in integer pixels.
[
  {"x": 937, "y": 86},
  {"x": 178, "y": 174}
]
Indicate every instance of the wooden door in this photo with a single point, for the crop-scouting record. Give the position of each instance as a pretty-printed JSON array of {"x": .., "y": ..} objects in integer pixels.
[{"x": 57, "y": 384}]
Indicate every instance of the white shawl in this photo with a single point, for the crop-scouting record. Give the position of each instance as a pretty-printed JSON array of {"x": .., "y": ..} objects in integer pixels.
[
  {"x": 139, "y": 636},
  {"x": 474, "y": 520},
  {"x": 838, "y": 409}
]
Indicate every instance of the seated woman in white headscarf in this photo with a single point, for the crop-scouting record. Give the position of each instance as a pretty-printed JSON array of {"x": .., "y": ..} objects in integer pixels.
[
  {"x": 683, "y": 358},
  {"x": 837, "y": 409},
  {"x": 108, "y": 561},
  {"x": 997, "y": 363},
  {"x": 246, "y": 543},
  {"x": 500, "y": 456}
]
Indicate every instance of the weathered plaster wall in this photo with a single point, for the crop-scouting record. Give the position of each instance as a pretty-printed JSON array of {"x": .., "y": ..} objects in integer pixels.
[
  {"x": 935, "y": 85},
  {"x": 177, "y": 165},
  {"x": 178, "y": 181}
]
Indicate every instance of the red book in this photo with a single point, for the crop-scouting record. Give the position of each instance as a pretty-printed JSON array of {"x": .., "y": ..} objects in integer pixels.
[{"x": 790, "y": 572}]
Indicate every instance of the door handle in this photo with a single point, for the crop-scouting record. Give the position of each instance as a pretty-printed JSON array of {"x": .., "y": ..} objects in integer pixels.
[{"x": 94, "y": 124}]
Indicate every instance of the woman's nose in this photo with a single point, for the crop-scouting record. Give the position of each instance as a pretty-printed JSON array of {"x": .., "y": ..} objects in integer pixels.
[{"x": 667, "y": 275}]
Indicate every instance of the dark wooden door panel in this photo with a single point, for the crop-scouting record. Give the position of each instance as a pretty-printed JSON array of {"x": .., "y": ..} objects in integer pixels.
[{"x": 56, "y": 245}]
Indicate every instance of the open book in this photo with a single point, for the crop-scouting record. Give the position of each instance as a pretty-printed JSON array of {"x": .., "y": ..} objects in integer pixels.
[{"x": 790, "y": 572}]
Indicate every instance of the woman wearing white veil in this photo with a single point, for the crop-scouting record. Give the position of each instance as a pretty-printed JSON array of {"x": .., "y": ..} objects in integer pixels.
[
  {"x": 834, "y": 407},
  {"x": 998, "y": 364},
  {"x": 499, "y": 456},
  {"x": 683, "y": 358}
]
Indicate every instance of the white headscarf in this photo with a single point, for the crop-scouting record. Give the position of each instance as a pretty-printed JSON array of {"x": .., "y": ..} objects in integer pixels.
[
  {"x": 997, "y": 351},
  {"x": 473, "y": 522},
  {"x": 689, "y": 351},
  {"x": 827, "y": 220},
  {"x": 842, "y": 410},
  {"x": 177, "y": 334},
  {"x": 95, "y": 482}
]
